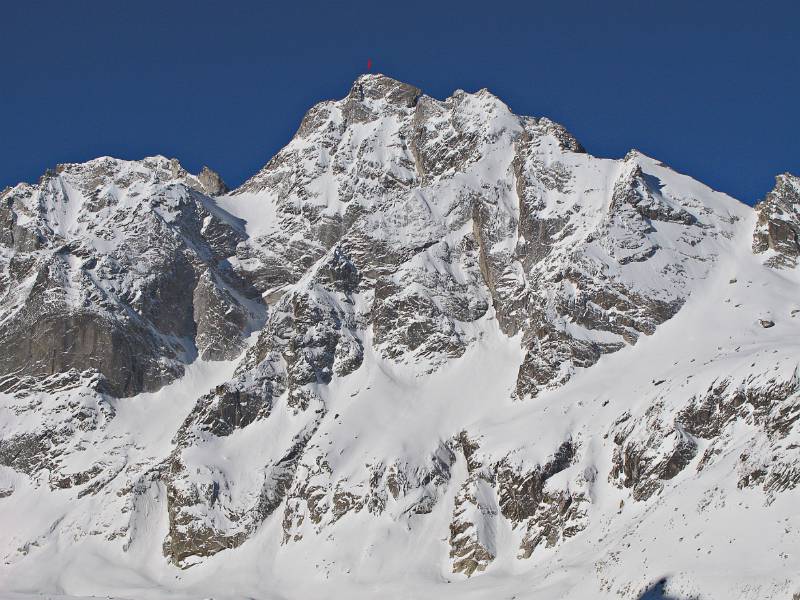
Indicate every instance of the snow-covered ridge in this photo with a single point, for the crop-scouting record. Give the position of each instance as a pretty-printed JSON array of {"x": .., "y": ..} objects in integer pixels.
[{"x": 460, "y": 356}]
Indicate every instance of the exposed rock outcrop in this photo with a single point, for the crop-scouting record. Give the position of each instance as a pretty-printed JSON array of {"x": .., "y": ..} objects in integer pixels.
[
  {"x": 119, "y": 267},
  {"x": 777, "y": 231}
]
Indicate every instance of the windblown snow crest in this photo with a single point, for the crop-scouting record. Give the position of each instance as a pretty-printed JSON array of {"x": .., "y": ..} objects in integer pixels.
[{"x": 429, "y": 340}]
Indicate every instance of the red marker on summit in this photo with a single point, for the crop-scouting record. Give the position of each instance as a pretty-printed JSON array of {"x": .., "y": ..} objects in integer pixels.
[{"x": 369, "y": 64}]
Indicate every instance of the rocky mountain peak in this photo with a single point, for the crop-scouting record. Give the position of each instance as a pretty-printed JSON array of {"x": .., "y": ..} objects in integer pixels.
[
  {"x": 212, "y": 183},
  {"x": 777, "y": 234},
  {"x": 116, "y": 267},
  {"x": 429, "y": 340},
  {"x": 383, "y": 88},
  {"x": 787, "y": 188}
]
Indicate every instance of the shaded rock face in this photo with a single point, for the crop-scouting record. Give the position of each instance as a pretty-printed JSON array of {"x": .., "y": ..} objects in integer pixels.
[
  {"x": 56, "y": 343},
  {"x": 777, "y": 232},
  {"x": 219, "y": 320},
  {"x": 120, "y": 267}
]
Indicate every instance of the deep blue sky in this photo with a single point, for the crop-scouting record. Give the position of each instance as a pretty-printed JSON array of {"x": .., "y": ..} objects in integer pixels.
[{"x": 711, "y": 88}]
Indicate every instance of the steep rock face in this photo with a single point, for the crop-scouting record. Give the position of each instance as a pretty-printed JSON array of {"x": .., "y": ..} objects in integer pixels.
[
  {"x": 584, "y": 292},
  {"x": 211, "y": 183},
  {"x": 219, "y": 319},
  {"x": 660, "y": 444},
  {"x": 118, "y": 267},
  {"x": 777, "y": 231},
  {"x": 507, "y": 495}
]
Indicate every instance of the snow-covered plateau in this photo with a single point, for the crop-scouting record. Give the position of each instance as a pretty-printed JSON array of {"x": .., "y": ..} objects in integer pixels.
[{"x": 431, "y": 350}]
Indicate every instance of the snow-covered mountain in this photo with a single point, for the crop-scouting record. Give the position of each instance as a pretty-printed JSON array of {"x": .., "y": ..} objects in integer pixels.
[{"x": 431, "y": 349}]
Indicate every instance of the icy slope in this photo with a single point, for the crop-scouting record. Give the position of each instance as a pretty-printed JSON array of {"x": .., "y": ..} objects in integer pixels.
[{"x": 492, "y": 366}]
